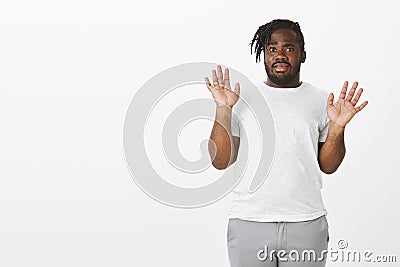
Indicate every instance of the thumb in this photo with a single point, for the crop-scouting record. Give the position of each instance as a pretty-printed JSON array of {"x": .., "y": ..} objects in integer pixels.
[
  {"x": 237, "y": 88},
  {"x": 330, "y": 99}
]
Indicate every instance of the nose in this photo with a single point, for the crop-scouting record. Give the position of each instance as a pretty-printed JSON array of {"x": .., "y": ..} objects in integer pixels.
[{"x": 281, "y": 54}]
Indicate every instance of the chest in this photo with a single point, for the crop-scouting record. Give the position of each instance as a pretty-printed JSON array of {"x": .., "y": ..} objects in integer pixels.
[{"x": 297, "y": 115}]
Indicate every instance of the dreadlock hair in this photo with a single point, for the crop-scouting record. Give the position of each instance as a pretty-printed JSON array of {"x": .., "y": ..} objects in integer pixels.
[{"x": 262, "y": 36}]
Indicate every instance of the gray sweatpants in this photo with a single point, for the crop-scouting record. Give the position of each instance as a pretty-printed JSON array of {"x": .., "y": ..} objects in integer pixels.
[{"x": 268, "y": 244}]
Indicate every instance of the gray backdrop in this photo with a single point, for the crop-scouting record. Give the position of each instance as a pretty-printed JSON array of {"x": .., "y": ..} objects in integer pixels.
[{"x": 68, "y": 72}]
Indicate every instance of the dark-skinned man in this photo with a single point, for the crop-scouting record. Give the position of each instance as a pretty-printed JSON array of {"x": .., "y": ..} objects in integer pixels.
[{"x": 286, "y": 213}]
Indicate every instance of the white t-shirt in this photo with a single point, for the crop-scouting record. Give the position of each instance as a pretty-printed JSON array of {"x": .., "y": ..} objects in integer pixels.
[{"x": 292, "y": 189}]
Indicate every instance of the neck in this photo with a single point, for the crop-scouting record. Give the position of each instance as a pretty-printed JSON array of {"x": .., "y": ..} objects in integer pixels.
[{"x": 292, "y": 84}]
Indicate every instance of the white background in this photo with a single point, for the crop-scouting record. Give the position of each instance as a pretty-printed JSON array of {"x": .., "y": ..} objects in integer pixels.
[{"x": 68, "y": 71}]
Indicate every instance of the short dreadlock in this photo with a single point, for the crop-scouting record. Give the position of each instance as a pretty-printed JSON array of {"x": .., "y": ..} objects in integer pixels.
[{"x": 263, "y": 35}]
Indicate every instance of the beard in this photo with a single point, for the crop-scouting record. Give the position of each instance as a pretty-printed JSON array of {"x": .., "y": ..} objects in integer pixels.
[{"x": 282, "y": 80}]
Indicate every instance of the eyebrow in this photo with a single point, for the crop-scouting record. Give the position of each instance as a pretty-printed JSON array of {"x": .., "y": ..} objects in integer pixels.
[{"x": 285, "y": 45}]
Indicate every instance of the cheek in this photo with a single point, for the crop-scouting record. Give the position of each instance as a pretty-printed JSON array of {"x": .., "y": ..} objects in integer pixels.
[
  {"x": 296, "y": 59},
  {"x": 268, "y": 60}
]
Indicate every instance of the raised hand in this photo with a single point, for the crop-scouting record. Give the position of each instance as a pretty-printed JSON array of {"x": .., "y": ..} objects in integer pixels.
[
  {"x": 221, "y": 88},
  {"x": 345, "y": 108}
]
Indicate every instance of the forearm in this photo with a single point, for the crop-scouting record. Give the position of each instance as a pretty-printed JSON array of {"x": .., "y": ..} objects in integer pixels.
[
  {"x": 333, "y": 150},
  {"x": 220, "y": 145}
]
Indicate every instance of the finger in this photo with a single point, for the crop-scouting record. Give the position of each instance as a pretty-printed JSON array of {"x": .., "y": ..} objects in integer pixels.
[
  {"x": 209, "y": 86},
  {"x": 226, "y": 79},
  {"x": 357, "y": 97},
  {"x": 220, "y": 77},
  {"x": 344, "y": 90},
  {"x": 330, "y": 99},
  {"x": 352, "y": 91},
  {"x": 361, "y": 106},
  {"x": 215, "y": 79},
  {"x": 237, "y": 89}
]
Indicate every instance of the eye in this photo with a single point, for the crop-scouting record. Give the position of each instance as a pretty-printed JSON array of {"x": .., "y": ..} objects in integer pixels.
[
  {"x": 272, "y": 49},
  {"x": 289, "y": 49}
]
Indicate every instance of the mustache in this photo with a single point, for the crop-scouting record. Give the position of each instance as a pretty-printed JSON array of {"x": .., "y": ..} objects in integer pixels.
[{"x": 280, "y": 62}]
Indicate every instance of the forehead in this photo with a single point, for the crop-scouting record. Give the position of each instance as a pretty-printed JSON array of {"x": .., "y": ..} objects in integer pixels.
[{"x": 283, "y": 36}]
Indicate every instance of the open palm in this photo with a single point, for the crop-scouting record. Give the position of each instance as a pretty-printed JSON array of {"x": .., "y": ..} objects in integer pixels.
[
  {"x": 345, "y": 108},
  {"x": 221, "y": 88}
]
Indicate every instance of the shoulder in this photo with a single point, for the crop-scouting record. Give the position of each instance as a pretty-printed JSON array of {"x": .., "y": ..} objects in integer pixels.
[{"x": 315, "y": 91}]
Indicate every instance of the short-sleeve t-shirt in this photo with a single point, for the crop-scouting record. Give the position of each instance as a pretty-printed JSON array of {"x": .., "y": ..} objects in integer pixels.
[{"x": 292, "y": 189}]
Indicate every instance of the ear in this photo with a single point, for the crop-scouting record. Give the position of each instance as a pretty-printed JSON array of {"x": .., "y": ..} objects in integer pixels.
[{"x": 303, "y": 57}]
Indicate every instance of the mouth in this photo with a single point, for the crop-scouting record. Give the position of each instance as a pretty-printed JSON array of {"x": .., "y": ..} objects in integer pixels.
[{"x": 281, "y": 67}]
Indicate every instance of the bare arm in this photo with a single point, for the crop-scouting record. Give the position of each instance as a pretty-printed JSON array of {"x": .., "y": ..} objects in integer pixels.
[
  {"x": 332, "y": 151},
  {"x": 222, "y": 146}
]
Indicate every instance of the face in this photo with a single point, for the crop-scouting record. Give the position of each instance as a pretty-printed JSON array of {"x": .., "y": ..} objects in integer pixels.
[{"x": 283, "y": 57}]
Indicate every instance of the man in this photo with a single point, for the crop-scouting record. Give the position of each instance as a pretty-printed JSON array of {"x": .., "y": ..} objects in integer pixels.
[{"x": 286, "y": 213}]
